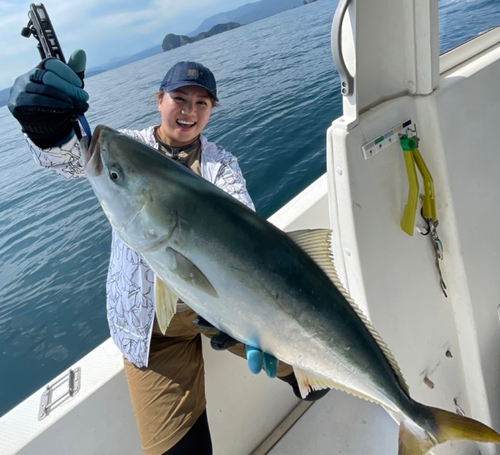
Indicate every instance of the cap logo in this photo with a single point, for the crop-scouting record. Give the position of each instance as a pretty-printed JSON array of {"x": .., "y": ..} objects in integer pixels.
[
  {"x": 193, "y": 73},
  {"x": 188, "y": 74}
]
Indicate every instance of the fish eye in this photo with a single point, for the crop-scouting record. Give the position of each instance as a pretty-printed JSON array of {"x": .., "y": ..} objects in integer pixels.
[{"x": 115, "y": 173}]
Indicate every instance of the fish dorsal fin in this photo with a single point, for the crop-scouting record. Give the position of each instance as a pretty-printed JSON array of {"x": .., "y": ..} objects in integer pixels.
[
  {"x": 317, "y": 244},
  {"x": 165, "y": 304}
]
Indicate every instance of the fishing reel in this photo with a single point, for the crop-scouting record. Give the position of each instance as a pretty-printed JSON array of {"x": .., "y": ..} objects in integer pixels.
[{"x": 40, "y": 27}]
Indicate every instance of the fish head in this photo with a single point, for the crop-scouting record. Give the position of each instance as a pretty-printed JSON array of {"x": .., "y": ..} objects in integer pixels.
[{"x": 130, "y": 181}]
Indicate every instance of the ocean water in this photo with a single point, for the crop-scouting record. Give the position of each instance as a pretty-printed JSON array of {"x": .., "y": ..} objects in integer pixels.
[{"x": 279, "y": 93}]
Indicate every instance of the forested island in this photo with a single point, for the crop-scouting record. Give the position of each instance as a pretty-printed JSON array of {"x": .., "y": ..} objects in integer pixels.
[{"x": 172, "y": 41}]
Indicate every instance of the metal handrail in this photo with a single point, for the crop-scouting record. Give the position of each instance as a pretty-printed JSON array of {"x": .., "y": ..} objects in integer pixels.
[{"x": 346, "y": 79}]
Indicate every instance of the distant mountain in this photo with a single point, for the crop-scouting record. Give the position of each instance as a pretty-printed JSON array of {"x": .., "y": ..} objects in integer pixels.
[
  {"x": 117, "y": 62},
  {"x": 172, "y": 41},
  {"x": 251, "y": 12},
  {"x": 4, "y": 96},
  {"x": 113, "y": 63}
]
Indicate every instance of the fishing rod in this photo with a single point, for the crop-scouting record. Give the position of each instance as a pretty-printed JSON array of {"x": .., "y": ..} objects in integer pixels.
[{"x": 41, "y": 28}]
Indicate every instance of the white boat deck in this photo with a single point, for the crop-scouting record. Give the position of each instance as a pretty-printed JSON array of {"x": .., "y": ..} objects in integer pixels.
[{"x": 329, "y": 426}]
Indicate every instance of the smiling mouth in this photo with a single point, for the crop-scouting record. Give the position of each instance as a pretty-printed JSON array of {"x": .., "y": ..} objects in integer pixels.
[{"x": 185, "y": 124}]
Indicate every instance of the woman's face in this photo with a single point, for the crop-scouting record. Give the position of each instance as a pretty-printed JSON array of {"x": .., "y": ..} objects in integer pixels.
[{"x": 184, "y": 113}]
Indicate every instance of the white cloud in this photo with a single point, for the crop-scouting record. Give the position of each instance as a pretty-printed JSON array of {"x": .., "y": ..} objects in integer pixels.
[
  {"x": 104, "y": 28},
  {"x": 6, "y": 6}
]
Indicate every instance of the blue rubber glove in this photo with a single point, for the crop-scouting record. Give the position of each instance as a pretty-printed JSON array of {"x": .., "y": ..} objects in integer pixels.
[
  {"x": 256, "y": 359},
  {"x": 46, "y": 100}
]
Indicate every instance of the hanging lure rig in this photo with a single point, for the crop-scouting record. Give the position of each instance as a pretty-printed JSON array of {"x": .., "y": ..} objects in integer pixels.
[
  {"x": 407, "y": 135},
  {"x": 409, "y": 141}
]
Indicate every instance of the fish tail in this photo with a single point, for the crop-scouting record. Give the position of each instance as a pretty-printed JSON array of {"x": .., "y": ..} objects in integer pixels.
[{"x": 445, "y": 426}]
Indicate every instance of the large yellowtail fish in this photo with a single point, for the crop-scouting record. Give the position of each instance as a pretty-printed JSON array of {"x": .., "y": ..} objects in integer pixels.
[{"x": 266, "y": 288}]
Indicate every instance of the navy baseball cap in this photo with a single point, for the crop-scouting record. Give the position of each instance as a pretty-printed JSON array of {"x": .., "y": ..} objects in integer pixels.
[{"x": 183, "y": 74}]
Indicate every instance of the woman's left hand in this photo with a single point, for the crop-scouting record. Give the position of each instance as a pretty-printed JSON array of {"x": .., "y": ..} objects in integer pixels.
[{"x": 256, "y": 359}]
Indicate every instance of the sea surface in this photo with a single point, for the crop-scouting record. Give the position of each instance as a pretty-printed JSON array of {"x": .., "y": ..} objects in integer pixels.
[{"x": 279, "y": 93}]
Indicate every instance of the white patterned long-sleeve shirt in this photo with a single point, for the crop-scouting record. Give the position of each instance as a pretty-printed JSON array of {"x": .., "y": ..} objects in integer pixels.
[{"x": 129, "y": 288}]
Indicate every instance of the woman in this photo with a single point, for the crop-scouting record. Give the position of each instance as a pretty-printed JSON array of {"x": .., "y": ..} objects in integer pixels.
[{"x": 164, "y": 371}]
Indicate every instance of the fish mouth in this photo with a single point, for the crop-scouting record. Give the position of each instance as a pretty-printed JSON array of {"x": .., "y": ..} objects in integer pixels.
[{"x": 91, "y": 161}]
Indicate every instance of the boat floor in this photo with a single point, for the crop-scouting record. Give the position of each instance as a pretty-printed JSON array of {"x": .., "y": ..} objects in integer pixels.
[{"x": 341, "y": 424}]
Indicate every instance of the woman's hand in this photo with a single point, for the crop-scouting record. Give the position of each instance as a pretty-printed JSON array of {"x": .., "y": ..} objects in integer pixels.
[
  {"x": 46, "y": 99},
  {"x": 256, "y": 359}
]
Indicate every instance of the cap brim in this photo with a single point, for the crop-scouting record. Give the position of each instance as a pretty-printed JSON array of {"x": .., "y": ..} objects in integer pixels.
[{"x": 176, "y": 85}]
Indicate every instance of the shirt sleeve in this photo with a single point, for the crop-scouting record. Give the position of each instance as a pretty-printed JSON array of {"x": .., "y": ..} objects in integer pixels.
[
  {"x": 231, "y": 180},
  {"x": 64, "y": 159}
]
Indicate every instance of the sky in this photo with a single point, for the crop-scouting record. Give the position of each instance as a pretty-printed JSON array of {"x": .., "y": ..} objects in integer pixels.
[{"x": 103, "y": 28}]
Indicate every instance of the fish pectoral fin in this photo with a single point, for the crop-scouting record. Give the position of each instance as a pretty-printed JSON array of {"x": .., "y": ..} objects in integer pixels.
[
  {"x": 189, "y": 272},
  {"x": 165, "y": 304}
]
